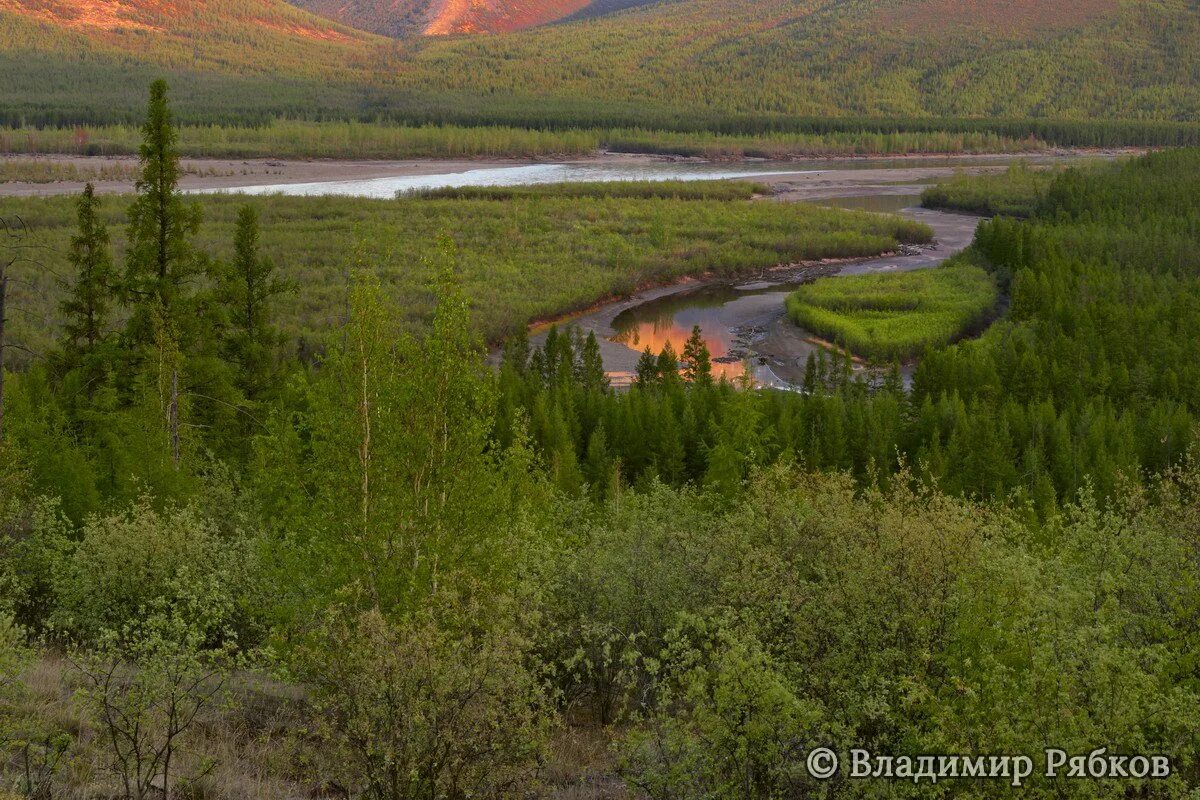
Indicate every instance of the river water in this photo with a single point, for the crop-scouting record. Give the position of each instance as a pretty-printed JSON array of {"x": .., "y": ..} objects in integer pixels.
[{"x": 601, "y": 171}]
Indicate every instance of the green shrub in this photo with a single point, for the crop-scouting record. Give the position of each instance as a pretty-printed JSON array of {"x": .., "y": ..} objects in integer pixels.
[
  {"x": 129, "y": 563},
  {"x": 1015, "y": 192},
  {"x": 438, "y": 703}
]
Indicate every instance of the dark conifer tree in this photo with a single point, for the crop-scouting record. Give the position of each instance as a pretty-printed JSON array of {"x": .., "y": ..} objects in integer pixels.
[
  {"x": 591, "y": 365},
  {"x": 162, "y": 264},
  {"x": 697, "y": 367},
  {"x": 247, "y": 290},
  {"x": 646, "y": 372},
  {"x": 89, "y": 294}
]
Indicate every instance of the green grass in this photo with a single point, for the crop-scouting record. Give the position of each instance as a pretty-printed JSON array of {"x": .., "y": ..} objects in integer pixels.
[
  {"x": 523, "y": 258},
  {"x": 1015, "y": 192},
  {"x": 896, "y": 315}
]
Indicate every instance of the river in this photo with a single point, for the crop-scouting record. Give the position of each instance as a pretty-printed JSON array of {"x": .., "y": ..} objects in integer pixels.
[{"x": 599, "y": 170}]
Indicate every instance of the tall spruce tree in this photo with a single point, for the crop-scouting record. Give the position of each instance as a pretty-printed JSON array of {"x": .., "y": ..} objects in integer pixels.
[
  {"x": 697, "y": 361},
  {"x": 161, "y": 263},
  {"x": 162, "y": 267},
  {"x": 247, "y": 289},
  {"x": 646, "y": 372},
  {"x": 89, "y": 295}
]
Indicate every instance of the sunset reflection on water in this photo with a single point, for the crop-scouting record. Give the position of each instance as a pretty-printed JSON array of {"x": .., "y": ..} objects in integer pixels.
[{"x": 676, "y": 328}]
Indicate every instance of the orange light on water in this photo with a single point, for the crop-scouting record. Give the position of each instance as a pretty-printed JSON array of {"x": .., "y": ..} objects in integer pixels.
[{"x": 658, "y": 333}]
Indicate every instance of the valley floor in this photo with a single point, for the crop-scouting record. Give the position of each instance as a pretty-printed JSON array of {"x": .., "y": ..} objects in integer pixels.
[{"x": 835, "y": 176}]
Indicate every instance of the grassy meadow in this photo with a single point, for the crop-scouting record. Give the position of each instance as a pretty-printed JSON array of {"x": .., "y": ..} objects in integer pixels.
[
  {"x": 538, "y": 253},
  {"x": 896, "y": 315}
]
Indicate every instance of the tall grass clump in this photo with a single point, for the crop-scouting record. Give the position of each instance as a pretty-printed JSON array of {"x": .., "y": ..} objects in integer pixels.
[{"x": 896, "y": 315}]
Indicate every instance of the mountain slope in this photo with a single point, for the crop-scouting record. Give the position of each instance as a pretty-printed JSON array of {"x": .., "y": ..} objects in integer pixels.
[
  {"x": 401, "y": 18},
  {"x": 710, "y": 59},
  {"x": 1014, "y": 58},
  {"x": 266, "y": 36}
]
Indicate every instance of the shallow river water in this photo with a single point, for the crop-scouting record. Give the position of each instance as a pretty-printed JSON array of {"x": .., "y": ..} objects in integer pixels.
[{"x": 588, "y": 171}]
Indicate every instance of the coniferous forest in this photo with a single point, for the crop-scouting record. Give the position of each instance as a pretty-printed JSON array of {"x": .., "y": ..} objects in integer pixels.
[{"x": 325, "y": 496}]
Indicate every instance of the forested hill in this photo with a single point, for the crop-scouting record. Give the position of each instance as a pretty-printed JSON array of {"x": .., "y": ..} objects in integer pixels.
[
  {"x": 992, "y": 58},
  {"x": 439, "y": 17},
  {"x": 888, "y": 58}
]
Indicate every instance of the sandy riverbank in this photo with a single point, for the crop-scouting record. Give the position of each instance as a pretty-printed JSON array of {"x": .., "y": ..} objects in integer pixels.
[{"x": 837, "y": 174}]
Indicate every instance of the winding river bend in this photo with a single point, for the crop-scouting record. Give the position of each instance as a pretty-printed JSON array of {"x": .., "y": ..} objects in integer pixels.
[{"x": 744, "y": 321}]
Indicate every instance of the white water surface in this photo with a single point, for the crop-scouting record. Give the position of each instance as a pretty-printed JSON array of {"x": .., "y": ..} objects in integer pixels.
[{"x": 529, "y": 175}]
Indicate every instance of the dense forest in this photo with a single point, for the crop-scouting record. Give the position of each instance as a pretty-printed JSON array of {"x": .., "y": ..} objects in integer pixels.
[
  {"x": 393, "y": 571},
  {"x": 287, "y": 139},
  {"x": 1083, "y": 384},
  {"x": 1010, "y": 68}
]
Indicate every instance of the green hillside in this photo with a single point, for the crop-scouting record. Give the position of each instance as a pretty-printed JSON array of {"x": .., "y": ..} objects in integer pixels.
[
  {"x": 713, "y": 63},
  {"x": 835, "y": 57}
]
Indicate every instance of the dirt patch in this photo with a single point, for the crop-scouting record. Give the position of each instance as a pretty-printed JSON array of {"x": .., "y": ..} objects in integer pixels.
[{"x": 493, "y": 16}]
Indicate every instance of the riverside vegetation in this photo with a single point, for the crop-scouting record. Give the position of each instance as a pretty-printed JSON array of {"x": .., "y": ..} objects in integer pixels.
[
  {"x": 300, "y": 139},
  {"x": 896, "y": 315},
  {"x": 399, "y": 573},
  {"x": 522, "y": 254}
]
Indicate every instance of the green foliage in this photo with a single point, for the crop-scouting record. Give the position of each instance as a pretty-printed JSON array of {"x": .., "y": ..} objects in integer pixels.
[
  {"x": 161, "y": 260},
  {"x": 382, "y": 485},
  {"x": 852, "y": 620},
  {"x": 248, "y": 291},
  {"x": 526, "y": 258},
  {"x": 1015, "y": 192},
  {"x": 896, "y": 315},
  {"x": 724, "y": 61},
  {"x": 640, "y": 190},
  {"x": 726, "y": 725},
  {"x": 146, "y": 686},
  {"x": 436, "y": 704},
  {"x": 89, "y": 298},
  {"x": 1087, "y": 378},
  {"x": 451, "y": 559},
  {"x": 716, "y": 138},
  {"x": 128, "y": 565}
]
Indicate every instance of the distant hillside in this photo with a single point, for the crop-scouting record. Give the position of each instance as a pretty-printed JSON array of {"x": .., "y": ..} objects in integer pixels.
[
  {"x": 267, "y": 36},
  {"x": 600, "y": 8},
  {"x": 985, "y": 58},
  {"x": 1129, "y": 59},
  {"x": 399, "y": 18}
]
